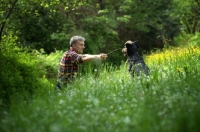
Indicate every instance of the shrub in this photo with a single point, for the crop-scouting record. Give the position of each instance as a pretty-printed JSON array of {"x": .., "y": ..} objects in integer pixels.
[
  {"x": 187, "y": 39},
  {"x": 21, "y": 74}
]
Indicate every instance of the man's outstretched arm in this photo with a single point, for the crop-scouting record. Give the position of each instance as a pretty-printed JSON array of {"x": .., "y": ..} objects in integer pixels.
[{"x": 88, "y": 57}]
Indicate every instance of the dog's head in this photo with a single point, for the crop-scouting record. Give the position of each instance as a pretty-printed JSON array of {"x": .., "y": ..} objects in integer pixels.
[{"x": 131, "y": 48}]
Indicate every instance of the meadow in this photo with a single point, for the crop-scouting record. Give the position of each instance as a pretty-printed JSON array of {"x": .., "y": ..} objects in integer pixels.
[{"x": 109, "y": 100}]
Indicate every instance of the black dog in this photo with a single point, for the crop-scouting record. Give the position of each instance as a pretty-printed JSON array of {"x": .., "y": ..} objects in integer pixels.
[{"x": 136, "y": 62}]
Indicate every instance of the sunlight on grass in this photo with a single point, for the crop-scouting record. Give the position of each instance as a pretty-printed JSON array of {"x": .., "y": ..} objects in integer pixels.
[{"x": 167, "y": 100}]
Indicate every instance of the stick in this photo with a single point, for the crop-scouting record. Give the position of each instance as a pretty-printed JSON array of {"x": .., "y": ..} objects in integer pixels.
[{"x": 113, "y": 50}]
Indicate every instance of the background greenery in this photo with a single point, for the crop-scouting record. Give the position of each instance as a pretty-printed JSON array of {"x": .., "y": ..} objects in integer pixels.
[
  {"x": 34, "y": 34},
  {"x": 106, "y": 24}
]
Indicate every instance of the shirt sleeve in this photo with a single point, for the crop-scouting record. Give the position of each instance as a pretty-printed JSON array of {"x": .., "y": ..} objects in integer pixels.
[{"x": 77, "y": 58}]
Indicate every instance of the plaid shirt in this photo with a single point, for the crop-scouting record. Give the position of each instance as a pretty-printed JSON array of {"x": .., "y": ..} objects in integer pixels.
[{"x": 68, "y": 68}]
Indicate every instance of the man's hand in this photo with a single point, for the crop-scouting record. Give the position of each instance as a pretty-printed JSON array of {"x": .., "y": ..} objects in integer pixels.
[{"x": 103, "y": 56}]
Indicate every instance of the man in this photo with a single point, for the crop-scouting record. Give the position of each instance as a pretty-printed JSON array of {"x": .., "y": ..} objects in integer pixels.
[{"x": 69, "y": 64}]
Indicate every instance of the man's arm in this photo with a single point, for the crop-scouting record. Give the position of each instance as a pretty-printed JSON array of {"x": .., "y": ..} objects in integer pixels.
[{"x": 88, "y": 57}]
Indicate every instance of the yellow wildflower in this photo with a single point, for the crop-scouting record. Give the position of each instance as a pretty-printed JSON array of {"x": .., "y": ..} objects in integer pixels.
[{"x": 178, "y": 69}]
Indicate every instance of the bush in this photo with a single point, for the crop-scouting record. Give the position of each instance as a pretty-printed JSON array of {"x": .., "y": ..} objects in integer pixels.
[
  {"x": 21, "y": 74},
  {"x": 187, "y": 39}
]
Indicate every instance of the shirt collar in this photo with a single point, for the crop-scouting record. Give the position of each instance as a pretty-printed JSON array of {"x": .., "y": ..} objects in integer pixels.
[{"x": 71, "y": 49}]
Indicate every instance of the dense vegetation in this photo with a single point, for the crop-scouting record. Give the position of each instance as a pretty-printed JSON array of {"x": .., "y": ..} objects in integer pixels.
[
  {"x": 34, "y": 34},
  {"x": 110, "y": 100},
  {"x": 106, "y": 24}
]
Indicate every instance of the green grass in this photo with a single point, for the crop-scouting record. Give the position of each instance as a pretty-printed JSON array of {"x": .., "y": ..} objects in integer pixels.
[{"x": 166, "y": 101}]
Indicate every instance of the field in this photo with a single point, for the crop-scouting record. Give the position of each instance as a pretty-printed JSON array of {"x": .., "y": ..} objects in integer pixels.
[{"x": 109, "y": 100}]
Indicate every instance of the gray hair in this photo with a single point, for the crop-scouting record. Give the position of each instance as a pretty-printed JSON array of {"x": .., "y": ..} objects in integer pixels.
[{"x": 74, "y": 39}]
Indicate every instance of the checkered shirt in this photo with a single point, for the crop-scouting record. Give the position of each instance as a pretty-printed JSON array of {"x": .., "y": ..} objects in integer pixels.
[{"x": 69, "y": 66}]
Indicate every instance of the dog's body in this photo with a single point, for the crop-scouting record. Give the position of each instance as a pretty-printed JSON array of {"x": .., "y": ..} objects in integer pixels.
[{"x": 135, "y": 61}]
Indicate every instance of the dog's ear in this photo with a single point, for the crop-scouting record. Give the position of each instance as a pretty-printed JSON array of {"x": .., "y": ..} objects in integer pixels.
[{"x": 136, "y": 43}]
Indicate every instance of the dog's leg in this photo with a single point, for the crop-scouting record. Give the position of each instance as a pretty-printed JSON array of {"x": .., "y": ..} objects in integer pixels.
[
  {"x": 131, "y": 69},
  {"x": 130, "y": 65}
]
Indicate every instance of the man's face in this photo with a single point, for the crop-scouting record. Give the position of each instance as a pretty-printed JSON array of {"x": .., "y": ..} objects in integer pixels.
[{"x": 79, "y": 46}]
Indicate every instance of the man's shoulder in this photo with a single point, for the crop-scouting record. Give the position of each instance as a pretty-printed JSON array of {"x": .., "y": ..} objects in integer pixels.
[
  {"x": 69, "y": 52},
  {"x": 73, "y": 54}
]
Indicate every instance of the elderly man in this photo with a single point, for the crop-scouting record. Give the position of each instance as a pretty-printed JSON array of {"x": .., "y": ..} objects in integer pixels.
[{"x": 69, "y": 64}]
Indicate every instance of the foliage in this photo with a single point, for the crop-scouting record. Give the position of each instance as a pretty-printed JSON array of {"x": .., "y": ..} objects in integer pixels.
[
  {"x": 184, "y": 39},
  {"x": 104, "y": 97},
  {"x": 188, "y": 12},
  {"x": 21, "y": 74},
  {"x": 167, "y": 100},
  {"x": 106, "y": 24}
]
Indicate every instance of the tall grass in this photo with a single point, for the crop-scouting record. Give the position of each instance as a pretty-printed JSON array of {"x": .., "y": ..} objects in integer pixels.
[{"x": 168, "y": 100}]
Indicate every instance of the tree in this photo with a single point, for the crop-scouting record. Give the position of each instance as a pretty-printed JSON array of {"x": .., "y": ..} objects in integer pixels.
[
  {"x": 106, "y": 24},
  {"x": 188, "y": 12},
  {"x": 146, "y": 20}
]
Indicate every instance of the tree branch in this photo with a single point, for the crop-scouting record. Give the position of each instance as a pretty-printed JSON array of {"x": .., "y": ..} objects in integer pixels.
[{"x": 7, "y": 16}]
